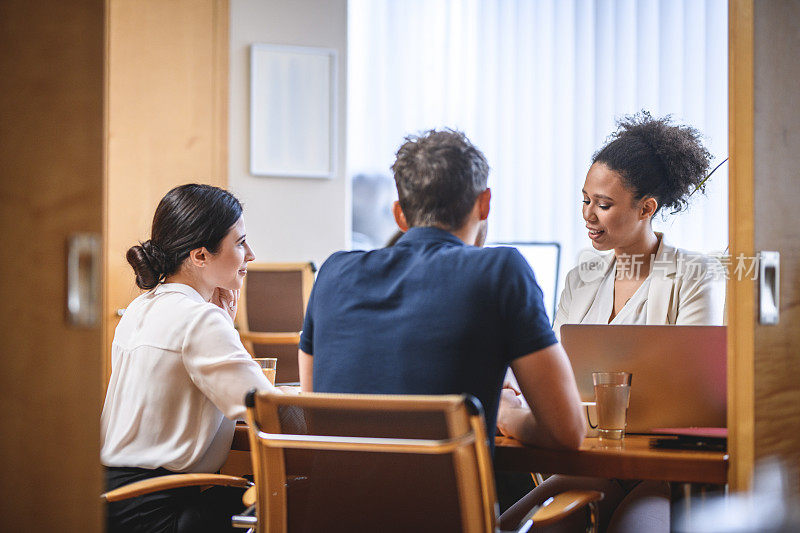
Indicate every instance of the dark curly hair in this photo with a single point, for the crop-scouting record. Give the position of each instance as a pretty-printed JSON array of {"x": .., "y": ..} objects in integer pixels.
[
  {"x": 439, "y": 175},
  {"x": 657, "y": 159},
  {"x": 188, "y": 217}
]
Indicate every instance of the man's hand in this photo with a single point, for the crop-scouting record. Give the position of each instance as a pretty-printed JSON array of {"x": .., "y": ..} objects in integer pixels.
[
  {"x": 509, "y": 410},
  {"x": 555, "y": 418}
]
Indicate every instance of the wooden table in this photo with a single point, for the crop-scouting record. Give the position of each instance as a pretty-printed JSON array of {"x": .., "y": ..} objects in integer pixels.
[{"x": 632, "y": 458}]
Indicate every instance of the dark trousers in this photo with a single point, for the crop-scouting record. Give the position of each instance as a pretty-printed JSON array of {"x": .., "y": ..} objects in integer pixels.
[
  {"x": 171, "y": 511},
  {"x": 510, "y": 487}
]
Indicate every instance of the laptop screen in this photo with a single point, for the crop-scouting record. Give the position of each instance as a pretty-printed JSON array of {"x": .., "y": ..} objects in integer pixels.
[{"x": 679, "y": 372}]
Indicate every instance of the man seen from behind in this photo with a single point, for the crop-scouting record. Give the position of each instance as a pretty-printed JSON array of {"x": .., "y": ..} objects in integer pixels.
[{"x": 438, "y": 314}]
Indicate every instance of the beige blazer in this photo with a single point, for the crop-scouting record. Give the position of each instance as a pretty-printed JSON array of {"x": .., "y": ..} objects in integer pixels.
[{"x": 686, "y": 288}]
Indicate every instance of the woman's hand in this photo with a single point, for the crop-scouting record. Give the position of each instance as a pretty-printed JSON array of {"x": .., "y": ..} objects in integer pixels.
[
  {"x": 510, "y": 381},
  {"x": 227, "y": 300}
]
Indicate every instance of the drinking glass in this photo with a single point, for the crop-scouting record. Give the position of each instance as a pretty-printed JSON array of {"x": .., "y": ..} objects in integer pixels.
[
  {"x": 612, "y": 392},
  {"x": 268, "y": 365}
]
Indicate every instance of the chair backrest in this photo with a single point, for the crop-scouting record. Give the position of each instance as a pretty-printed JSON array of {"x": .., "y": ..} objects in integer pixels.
[
  {"x": 345, "y": 462},
  {"x": 271, "y": 312}
]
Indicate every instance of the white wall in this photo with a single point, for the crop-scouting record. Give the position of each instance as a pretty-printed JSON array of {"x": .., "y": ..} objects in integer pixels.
[{"x": 288, "y": 219}]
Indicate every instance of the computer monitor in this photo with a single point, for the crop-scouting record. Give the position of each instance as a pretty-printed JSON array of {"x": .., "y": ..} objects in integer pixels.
[{"x": 545, "y": 260}]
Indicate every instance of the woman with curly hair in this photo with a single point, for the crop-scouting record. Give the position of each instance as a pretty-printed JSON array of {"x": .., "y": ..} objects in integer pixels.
[{"x": 648, "y": 165}]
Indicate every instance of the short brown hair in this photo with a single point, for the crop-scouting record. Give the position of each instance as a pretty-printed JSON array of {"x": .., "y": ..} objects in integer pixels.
[{"x": 439, "y": 175}]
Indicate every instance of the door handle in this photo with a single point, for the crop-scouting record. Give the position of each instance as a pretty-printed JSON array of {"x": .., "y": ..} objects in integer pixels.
[
  {"x": 83, "y": 280},
  {"x": 769, "y": 283}
]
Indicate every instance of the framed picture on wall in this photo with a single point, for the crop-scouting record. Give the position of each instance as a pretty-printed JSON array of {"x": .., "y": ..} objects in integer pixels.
[{"x": 292, "y": 111}]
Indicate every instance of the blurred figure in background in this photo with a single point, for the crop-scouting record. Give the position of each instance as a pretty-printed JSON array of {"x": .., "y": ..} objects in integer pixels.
[{"x": 373, "y": 222}]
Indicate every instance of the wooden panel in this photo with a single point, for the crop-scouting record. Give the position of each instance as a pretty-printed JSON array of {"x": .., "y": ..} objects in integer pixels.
[
  {"x": 764, "y": 403},
  {"x": 741, "y": 293},
  {"x": 167, "y": 119},
  {"x": 51, "y": 163},
  {"x": 777, "y": 193}
]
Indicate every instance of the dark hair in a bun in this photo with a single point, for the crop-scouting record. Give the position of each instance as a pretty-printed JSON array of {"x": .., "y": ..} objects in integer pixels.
[
  {"x": 188, "y": 217},
  {"x": 657, "y": 159},
  {"x": 149, "y": 264}
]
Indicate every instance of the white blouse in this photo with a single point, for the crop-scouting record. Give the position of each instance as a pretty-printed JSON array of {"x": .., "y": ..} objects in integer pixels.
[
  {"x": 683, "y": 288},
  {"x": 634, "y": 312},
  {"x": 178, "y": 381}
]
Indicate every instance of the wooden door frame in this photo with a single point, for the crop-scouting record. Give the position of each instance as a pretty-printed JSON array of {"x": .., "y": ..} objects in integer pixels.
[{"x": 741, "y": 294}]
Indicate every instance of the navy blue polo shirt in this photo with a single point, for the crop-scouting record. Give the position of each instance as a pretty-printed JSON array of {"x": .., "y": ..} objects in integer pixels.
[{"x": 430, "y": 315}]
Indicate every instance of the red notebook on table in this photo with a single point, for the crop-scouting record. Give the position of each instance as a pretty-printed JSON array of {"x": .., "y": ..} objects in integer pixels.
[{"x": 693, "y": 438}]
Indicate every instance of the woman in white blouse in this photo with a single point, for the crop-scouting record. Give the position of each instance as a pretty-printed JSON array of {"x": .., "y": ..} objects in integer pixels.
[
  {"x": 672, "y": 287},
  {"x": 648, "y": 165},
  {"x": 179, "y": 371}
]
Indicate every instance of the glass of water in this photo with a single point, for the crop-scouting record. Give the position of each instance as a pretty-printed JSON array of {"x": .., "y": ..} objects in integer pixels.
[
  {"x": 268, "y": 365},
  {"x": 612, "y": 392}
]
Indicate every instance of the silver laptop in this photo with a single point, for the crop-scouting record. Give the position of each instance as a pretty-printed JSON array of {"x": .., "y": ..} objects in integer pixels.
[{"x": 679, "y": 372}]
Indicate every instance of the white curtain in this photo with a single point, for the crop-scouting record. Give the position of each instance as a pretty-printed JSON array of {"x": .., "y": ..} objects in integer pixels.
[{"x": 537, "y": 85}]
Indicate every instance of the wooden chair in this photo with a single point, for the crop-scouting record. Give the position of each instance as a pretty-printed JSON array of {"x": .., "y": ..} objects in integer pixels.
[
  {"x": 342, "y": 462},
  {"x": 272, "y": 307},
  {"x": 174, "y": 481}
]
